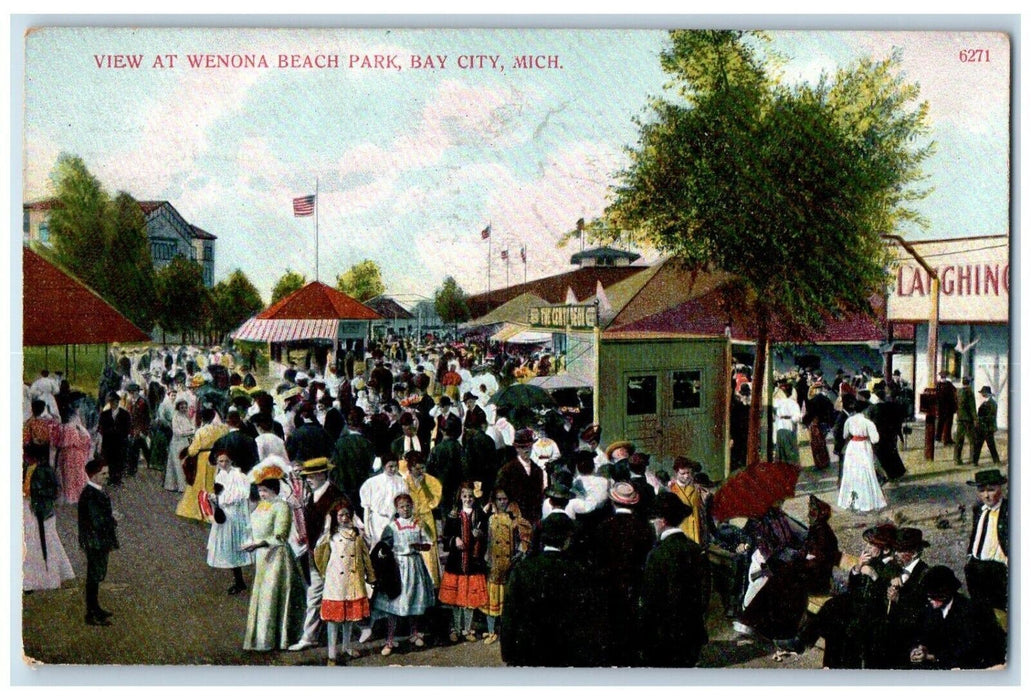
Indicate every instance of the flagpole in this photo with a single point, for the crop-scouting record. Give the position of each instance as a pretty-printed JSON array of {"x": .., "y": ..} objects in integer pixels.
[
  {"x": 316, "y": 228},
  {"x": 490, "y": 233},
  {"x": 523, "y": 255},
  {"x": 508, "y": 264}
]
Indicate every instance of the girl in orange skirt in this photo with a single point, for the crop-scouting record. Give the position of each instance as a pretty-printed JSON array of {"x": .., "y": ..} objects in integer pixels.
[
  {"x": 343, "y": 559},
  {"x": 464, "y": 586}
]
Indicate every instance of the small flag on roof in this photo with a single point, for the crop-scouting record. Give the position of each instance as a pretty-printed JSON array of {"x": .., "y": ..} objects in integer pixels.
[
  {"x": 522, "y": 253},
  {"x": 504, "y": 254},
  {"x": 304, "y": 206},
  {"x": 485, "y": 233}
]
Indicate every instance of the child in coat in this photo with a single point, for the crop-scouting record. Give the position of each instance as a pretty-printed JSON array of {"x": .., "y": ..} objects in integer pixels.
[{"x": 342, "y": 558}]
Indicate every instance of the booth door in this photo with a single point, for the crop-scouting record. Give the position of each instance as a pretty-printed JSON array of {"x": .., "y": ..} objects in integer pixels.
[
  {"x": 642, "y": 396},
  {"x": 668, "y": 413}
]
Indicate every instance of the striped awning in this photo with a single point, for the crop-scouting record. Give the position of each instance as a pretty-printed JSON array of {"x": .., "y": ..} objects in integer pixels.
[{"x": 284, "y": 330}]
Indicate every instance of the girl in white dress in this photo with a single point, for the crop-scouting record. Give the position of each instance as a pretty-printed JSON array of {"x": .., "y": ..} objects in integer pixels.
[{"x": 860, "y": 489}]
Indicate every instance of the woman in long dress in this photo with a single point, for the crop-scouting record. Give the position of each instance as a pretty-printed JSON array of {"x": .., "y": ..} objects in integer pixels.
[
  {"x": 275, "y": 618},
  {"x": 182, "y": 436},
  {"x": 226, "y": 539},
  {"x": 206, "y": 435},
  {"x": 45, "y": 564},
  {"x": 426, "y": 491},
  {"x": 75, "y": 446},
  {"x": 860, "y": 489}
]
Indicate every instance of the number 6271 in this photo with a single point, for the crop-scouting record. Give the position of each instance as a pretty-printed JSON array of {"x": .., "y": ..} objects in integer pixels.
[{"x": 973, "y": 56}]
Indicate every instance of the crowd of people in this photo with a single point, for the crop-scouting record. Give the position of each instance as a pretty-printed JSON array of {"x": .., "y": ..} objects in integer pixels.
[{"x": 388, "y": 492}]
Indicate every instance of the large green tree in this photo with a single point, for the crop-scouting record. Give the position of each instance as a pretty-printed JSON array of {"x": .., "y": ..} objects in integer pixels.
[
  {"x": 787, "y": 187},
  {"x": 234, "y": 300},
  {"x": 184, "y": 303},
  {"x": 451, "y": 302},
  {"x": 286, "y": 285},
  {"x": 363, "y": 281},
  {"x": 102, "y": 241}
]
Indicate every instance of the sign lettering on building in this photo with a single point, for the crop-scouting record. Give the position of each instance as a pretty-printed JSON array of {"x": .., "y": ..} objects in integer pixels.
[
  {"x": 584, "y": 316},
  {"x": 974, "y": 277}
]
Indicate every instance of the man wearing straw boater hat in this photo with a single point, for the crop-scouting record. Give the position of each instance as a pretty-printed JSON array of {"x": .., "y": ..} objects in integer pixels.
[
  {"x": 320, "y": 495},
  {"x": 987, "y": 567}
]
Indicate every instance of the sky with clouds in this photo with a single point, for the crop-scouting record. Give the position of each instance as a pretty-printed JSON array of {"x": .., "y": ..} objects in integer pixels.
[{"x": 412, "y": 164}]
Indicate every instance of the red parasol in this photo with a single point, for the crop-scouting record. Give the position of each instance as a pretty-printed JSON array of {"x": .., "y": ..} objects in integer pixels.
[
  {"x": 451, "y": 378},
  {"x": 751, "y": 492}
]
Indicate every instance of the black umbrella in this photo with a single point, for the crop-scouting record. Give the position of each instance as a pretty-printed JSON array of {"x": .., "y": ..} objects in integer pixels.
[{"x": 522, "y": 396}]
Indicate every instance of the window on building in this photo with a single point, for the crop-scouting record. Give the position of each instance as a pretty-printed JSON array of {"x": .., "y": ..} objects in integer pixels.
[
  {"x": 207, "y": 252},
  {"x": 641, "y": 394},
  {"x": 44, "y": 232},
  {"x": 25, "y": 221},
  {"x": 951, "y": 361},
  {"x": 687, "y": 389}
]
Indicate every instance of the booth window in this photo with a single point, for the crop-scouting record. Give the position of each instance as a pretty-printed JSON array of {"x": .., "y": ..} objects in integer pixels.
[
  {"x": 687, "y": 390},
  {"x": 640, "y": 395},
  {"x": 951, "y": 361}
]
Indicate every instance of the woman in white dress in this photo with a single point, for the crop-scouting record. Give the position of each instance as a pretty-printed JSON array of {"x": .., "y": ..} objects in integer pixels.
[
  {"x": 45, "y": 564},
  {"x": 182, "y": 436},
  {"x": 860, "y": 489},
  {"x": 226, "y": 539}
]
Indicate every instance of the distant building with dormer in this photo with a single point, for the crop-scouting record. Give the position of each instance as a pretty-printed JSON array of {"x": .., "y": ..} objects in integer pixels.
[
  {"x": 603, "y": 257},
  {"x": 169, "y": 233}
]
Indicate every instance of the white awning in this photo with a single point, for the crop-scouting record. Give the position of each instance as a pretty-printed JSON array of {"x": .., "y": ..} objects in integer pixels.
[{"x": 285, "y": 330}]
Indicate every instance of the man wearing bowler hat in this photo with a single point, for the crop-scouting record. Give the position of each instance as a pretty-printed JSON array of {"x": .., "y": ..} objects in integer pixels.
[
  {"x": 986, "y": 426},
  {"x": 523, "y": 480},
  {"x": 897, "y": 618},
  {"x": 987, "y": 567},
  {"x": 954, "y": 632}
]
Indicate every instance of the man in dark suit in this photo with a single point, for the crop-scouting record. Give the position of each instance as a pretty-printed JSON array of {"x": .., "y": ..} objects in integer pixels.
[
  {"x": 674, "y": 591},
  {"x": 114, "y": 427},
  {"x": 954, "y": 632},
  {"x": 945, "y": 397},
  {"x": 97, "y": 538},
  {"x": 480, "y": 454},
  {"x": 319, "y": 497},
  {"x": 896, "y": 620},
  {"x": 553, "y": 614},
  {"x": 987, "y": 567},
  {"x": 966, "y": 420},
  {"x": 309, "y": 439},
  {"x": 352, "y": 458},
  {"x": 619, "y": 546},
  {"x": 139, "y": 428},
  {"x": 410, "y": 440},
  {"x": 242, "y": 448},
  {"x": 472, "y": 410},
  {"x": 986, "y": 426}
]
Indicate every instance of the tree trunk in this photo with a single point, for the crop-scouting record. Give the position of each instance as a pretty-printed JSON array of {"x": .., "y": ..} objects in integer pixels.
[{"x": 757, "y": 405}]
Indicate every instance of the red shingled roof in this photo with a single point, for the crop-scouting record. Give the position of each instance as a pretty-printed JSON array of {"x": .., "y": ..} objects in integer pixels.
[
  {"x": 58, "y": 309},
  {"x": 706, "y": 315},
  {"x": 583, "y": 281},
  {"x": 317, "y": 300}
]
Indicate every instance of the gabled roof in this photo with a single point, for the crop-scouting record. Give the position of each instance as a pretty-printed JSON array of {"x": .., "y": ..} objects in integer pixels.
[
  {"x": 603, "y": 253},
  {"x": 198, "y": 232},
  {"x": 514, "y": 311},
  {"x": 319, "y": 301},
  {"x": 389, "y": 308},
  {"x": 583, "y": 281},
  {"x": 58, "y": 309},
  {"x": 695, "y": 306}
]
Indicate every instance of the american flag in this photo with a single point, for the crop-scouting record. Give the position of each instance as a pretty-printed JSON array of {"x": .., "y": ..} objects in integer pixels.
[
  {"x": 485, "y": 233},
  {"x": 504, "y": 254},
  {"x": 304, "y": 206},
  {"x": 522, "y": 253}
]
